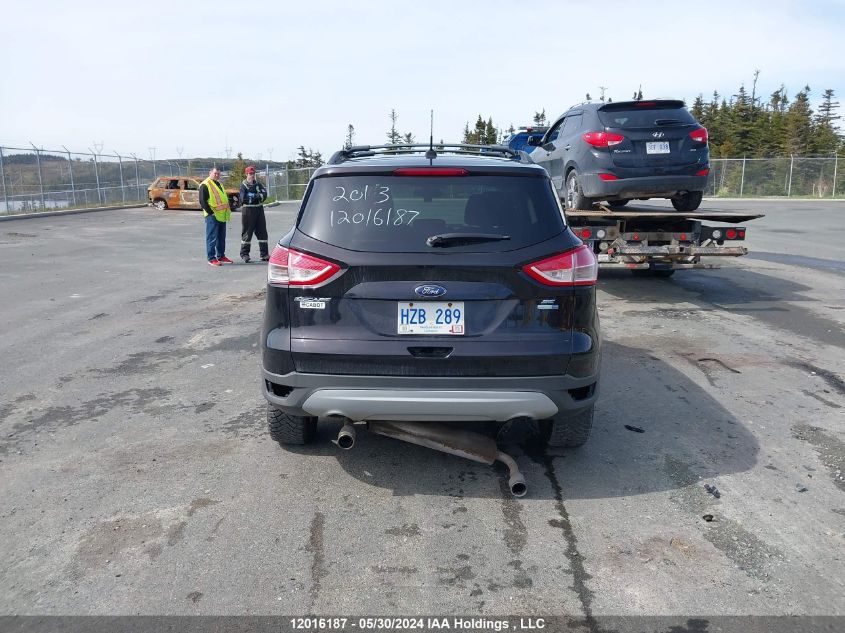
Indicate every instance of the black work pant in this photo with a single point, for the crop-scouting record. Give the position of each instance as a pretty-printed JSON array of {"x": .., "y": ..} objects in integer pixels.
[{"x": 253, "y": 222}]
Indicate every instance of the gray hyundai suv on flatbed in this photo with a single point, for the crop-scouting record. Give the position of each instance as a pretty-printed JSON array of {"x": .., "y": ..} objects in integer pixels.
[
  {"x": 443, "y": 287},
  {"x": 626, "y": 150}
]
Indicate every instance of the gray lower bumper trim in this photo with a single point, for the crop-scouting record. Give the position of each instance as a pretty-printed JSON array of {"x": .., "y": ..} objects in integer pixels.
[{"x": 429, "y": 406}]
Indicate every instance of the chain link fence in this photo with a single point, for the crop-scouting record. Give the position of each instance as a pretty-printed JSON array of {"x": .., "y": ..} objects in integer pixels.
[
  {"x": 791, "y": 176},
  {"x": 35, "y": 179}
]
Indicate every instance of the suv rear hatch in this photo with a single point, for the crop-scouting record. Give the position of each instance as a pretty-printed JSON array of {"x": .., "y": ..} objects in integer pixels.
[
  {"x": 657, "y": 137},
  {"x": 423, "y": 272}
]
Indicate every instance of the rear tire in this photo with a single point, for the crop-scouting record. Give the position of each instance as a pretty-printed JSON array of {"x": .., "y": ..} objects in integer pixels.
[
  {"x": 688, "y": 201},
  {"x": 570, "y": 431},
  {"x": 575, "y": 198},
  {"x": 290, "y": 429},
  {"x": 159, "y": 204},
  {"x": 618, "y": 203}
]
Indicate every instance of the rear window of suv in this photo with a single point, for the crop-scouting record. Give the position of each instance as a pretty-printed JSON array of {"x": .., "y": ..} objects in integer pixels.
[
  {"x": 397, "y": 214},
  {"x": 645, "y": 117}
]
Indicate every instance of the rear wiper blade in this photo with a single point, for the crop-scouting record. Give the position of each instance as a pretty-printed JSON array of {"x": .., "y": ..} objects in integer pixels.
[
  {"x": 668, "y": 122},
  {"x": 462, "y": 239}
]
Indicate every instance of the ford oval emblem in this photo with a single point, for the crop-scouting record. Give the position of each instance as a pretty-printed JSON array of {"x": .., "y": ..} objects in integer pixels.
[{"x": 430, "y": 290}]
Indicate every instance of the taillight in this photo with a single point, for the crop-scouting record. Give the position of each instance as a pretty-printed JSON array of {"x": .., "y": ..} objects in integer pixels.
[
  {"x": 607, "y": 177},
  {"x": 730, "y": 234},
  {"x": 292, "y": 268},
  {"x": 430, "y": 171},
  {"x": 699, "y": 135},
  {"x": 702, "y": 172},
  {"x": 577, "y": 267},
  {"x": 602, "y": 139},
  {"x": 584, "y": 234}
]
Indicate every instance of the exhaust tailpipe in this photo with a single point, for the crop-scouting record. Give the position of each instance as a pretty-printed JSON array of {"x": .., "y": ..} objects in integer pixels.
[
  {"x": 516, "y": 482},
  {"x": 346, "y": 437},
  {"x": 467, "y": 444}
]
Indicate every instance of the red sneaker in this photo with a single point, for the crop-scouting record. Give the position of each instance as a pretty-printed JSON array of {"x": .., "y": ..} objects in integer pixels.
[
  {"x": 214, "y": 262},
  {"x": 225, "y": 260}
]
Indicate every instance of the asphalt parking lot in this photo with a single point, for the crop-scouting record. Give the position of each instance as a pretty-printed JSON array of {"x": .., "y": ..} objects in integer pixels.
[{"x": 137, "y": 477}]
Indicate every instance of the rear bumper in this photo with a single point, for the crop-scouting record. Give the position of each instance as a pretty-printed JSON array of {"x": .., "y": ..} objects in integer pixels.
[
  {"x": 647, "y": 187},
  {"x": 429, "y": 399}
]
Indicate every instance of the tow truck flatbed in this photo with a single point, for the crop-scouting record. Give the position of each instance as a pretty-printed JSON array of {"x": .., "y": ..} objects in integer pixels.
[
  {"x": 659, "y": 242},
  {"x": 712, "y": 216}
]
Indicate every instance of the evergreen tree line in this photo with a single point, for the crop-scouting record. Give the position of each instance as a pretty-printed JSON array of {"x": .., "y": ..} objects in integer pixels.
[
  {"x": 746, "y": 125},
  {"x": 742, "y": 125}
]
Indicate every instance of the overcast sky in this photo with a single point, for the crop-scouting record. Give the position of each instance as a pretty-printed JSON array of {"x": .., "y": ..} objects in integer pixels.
[{"x": 256, "y": 77}]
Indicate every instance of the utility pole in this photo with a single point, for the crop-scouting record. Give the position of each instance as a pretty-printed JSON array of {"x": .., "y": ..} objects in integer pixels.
[
  {"x": 70, "y": 169},
  {"x": 137, "y": 178},
  {"x": 40, "y": 176},
  {"x": 97, "y": 171},
  {"x": 122, "y": 184},
  {"x": 6, "y": 193}
]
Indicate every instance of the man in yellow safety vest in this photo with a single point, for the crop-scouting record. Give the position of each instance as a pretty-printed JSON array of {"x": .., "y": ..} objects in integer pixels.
[{"x": 216, "y": 211}]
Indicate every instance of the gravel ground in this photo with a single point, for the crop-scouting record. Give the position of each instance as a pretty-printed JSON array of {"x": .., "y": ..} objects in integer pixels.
[{"x": 137, "y": 477}]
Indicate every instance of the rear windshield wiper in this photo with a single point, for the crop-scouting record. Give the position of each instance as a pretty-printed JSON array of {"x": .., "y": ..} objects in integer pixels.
[
  {"x": 668, "y": 122},
  {"x": 462, "y": 239}
]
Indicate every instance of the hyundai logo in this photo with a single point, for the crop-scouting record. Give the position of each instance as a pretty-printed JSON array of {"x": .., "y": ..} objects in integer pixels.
[
  {"x": 430, "y": 291},
  {"x": 657, "y": 134}
]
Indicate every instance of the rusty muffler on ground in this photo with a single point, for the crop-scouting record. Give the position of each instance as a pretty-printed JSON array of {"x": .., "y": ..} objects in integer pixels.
[{"x": 440, "y": 437}]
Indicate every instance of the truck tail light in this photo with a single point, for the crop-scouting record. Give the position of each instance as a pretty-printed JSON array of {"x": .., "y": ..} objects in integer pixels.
[
  {"x": 577, "y": 267},
  {"x": 699, "y": 135},
  {"x": 602, "y": 139},
  {"x": 291, "y": 268}
]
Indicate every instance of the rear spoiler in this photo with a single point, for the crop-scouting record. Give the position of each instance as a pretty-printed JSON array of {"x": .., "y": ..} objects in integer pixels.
[{"x": 653, "y": 104}]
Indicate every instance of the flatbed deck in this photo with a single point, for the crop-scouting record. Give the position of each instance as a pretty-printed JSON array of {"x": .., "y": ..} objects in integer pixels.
[{"x": 713, "y": 216}]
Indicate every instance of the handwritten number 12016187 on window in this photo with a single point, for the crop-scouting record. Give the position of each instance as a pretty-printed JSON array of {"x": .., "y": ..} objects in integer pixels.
[{"x": 374, "y": 217}]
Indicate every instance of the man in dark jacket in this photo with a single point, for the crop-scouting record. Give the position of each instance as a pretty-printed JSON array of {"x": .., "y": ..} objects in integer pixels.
[{"x": 253, "y": 194}]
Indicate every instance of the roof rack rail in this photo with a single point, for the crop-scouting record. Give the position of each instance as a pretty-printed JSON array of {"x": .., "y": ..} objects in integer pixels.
[{"x": 430, "y": 151}]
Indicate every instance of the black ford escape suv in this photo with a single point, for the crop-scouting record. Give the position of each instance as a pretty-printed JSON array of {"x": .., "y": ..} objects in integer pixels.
[
  {"x": 436, "y": 288},
  {"x": 626, "y": 150}
]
